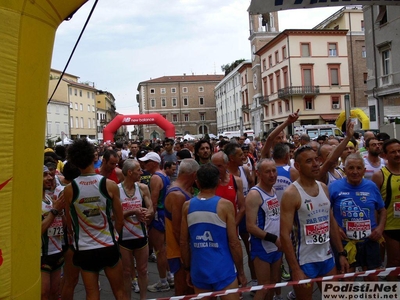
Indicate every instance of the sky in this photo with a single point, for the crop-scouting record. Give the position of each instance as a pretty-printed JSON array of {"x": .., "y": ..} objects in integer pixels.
[{"x": 127, "y": 42}]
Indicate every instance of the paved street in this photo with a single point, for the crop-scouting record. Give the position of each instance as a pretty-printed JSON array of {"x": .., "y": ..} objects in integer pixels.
[{"x": 106, "y": 292}]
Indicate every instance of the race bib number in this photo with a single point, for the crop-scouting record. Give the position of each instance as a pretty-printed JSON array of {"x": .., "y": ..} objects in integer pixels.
[
  {"x": 358, "y": 230},
  {"x": 273, "y": 207},
  {"x": 396, "y": 210},
  {"x": 317, "y": 233},
  {"x": 127, "y": 206},
  {"x": 56, "y": 228}
]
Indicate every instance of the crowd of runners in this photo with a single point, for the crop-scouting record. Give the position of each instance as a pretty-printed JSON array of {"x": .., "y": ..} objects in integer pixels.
[{"x": 327, "y": 207}]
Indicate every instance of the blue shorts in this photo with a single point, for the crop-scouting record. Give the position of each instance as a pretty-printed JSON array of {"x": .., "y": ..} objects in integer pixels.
[
  {"x": 318, "y": 269},
  {"x": 242, "y": 225},
  {"x": 174, "y": 264},
  {"x": 267, "y": 257},
  {"x": 158, "y": 221},
  {"x": 215, "y": 286}
]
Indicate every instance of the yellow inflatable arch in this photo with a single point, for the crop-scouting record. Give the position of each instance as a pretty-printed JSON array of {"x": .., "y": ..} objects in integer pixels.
[
  {"x": 354, "y": 113},
  {"x": 27, "y": 31}
]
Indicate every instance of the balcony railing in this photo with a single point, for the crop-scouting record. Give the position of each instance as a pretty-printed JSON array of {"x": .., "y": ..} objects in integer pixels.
[
  {"x": 264, "y": 100},
  {"x": 245, "y": 108},
  {"x": 298, "y": 90}
]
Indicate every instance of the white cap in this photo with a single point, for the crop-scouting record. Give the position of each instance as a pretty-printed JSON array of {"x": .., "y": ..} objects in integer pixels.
[{"x": 153, "y": 156}]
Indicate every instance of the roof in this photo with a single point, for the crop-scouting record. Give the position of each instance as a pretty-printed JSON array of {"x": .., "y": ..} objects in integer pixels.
[
  {"x": 184, "y": 78},
  {"x": 86, "y": 86}
]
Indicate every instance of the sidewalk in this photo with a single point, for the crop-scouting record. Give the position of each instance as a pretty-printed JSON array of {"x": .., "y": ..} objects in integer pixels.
[{"x": 107, "y": 294}]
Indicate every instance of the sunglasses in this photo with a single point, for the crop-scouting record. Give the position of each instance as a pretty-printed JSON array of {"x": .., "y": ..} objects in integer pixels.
[{"x": 301, "y": 150}]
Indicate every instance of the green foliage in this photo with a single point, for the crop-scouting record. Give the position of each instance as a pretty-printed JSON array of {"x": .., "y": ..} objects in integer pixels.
[{"x": 230, "y": 67}]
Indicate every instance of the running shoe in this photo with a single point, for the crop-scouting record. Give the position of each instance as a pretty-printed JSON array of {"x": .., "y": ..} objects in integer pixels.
[
  {"x": 158, "y": 287},
  {"x": 277, "y": 297},
  {"x": 171, "y": 279},
  {"x": 135, "y": 286},
  {"x": 285, "y": 276},
  {"x": 291, "y": 295},
  {"x": 253, "y": 282},
  {"x": 152, "y": 257}
]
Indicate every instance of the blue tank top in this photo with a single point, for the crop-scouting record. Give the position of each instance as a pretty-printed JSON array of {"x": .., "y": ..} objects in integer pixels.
[
  {"x": 163, "y": 192},
  {"x": 282, "y": 181},
  {"x": 211, "y": 257}
]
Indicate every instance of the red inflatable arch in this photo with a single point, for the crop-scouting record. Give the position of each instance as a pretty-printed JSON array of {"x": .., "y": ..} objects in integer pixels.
[{"x": 111, "y": 128}]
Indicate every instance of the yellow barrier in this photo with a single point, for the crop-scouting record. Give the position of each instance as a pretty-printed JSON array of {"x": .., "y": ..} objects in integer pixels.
[
  {"x": 354, "y": 113},
  {"x": 27, "y": 30}
]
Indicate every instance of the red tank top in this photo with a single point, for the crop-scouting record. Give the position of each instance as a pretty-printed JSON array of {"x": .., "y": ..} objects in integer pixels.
[
  {"x": 228, "y": 191},
  {"x": 113, "y": 176}
]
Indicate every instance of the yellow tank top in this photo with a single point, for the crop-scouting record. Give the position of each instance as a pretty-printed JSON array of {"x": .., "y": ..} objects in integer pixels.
[{"x": 390, "y": 191}]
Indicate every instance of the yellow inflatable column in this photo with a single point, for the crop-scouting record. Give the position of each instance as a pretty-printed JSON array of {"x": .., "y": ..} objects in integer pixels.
[{"x": 27, "y": 31}]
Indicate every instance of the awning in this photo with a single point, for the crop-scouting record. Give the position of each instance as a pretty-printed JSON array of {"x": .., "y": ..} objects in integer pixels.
[{"x": 332, "y": 117}]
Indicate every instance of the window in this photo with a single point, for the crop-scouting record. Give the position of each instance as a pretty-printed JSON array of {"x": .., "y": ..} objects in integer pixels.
[
  {"x": 265, "y": 86},
  {"x": 66, "y": 128},
  {"x": 92, "y": 95},
  {"x": 287, "y": 105},
  {"x": 80, "y": 93},
  {"x": 363, "y": 52},
  {"x": 94, "y": 123},
  {"x": 82, "y": 123},
  {"x": 382, "y": 15},
  {"x": 362, "y": 25},
  {"x": 77, "y": 122},
  {"x": 76, "y": 106},
  {"x": 71, "y": 105},
  {"x": 264, "y": 64},
  {"x": 88, "y": 95},
  {"x": 75, "y": 92},
  {"x": 273, "y": 109},
  {"x": 174, "y": 118},
  {"x": 70, "y": 90},
  {"x": 278, "y": 79},
  {"x": 185, "y": 101},
  {"x": 173, "y": 90},
  {"x": 332, "y": 49},
  {"x": 173, "y": 101},
  {"x": 164, "y": 116},
  {"x": 285, "y": 77},
  {"x": 88, "y": 108},
  {"x": 184, "y": 90},
  {"x": 307, "y": 74},
  {"x": 386, "y": 67},
  {"x": 201, "y": 89},
  {"x": 279, "y": 107},
  {"x": 335, "y": 102},
  {"x": 308, "y": 104},
  {"x": 152, "y": 91},
  {"x": 162, "y": 90},
  {"x": 202, "y": 116},
  {"x": 284, "y": 55},
  {"x": 152, "y": 102},
  {"x": 57, "y": 109},
  {"x": 276, "y": 57},
  {"x": 48, "y": 127},
  {"x": 334, "y": 74},
  {"x": 305, "y": 50},
  {"x": 93, "y": 108},
  {"x": 163, "y": 102},
  {"x": 271, "y": 83},
  {"x": 81, "y": 106},
  {"x": 270, "y": 61},
  {"x": 365, "y": 75},
  {"x": 71, "y": 120},
  {"x": 89, "y": 122},
  {"x": 266, "y": 110},
  {"x": 186, "y": 117},
  {"x": 201, "y": 101}
]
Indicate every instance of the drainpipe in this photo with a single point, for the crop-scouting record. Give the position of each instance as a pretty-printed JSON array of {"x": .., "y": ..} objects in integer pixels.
[{"x": 352, "y": 63}]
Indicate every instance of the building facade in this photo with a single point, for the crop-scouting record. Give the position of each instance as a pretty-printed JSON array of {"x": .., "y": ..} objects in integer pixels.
[
  {"x": 187, "y": 101},
  {"x": 106, "y": 111},
  {"x": 305, "y": 70},
  {"x": 383, "y": 62}
]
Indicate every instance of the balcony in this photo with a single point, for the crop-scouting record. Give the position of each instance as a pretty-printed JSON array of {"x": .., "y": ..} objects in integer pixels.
[
  {"x": 263, "y": 100},
  {"x": 246, "y": 108},
  {"x": 298, "y": 91}
]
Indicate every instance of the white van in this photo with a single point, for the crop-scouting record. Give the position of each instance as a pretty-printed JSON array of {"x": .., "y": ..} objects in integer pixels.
[
  {"x": 236, "y": 133},
  {"x": 315, "y": 131}
]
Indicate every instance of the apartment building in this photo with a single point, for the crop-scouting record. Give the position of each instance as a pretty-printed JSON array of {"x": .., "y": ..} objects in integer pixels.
[
  {"x": 187, "y": 101},
  {"x": 351, "y": 18},
  {"x": 105, "y": 111},
  {"x": 305, "y": 70},
  {"x": 382, "y": 25},
  {"x": 229, "y": 101}
]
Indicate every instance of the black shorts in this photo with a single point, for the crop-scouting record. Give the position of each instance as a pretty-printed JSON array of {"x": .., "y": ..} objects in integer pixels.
[
  {"x": 368, "y": 255},
  {"x": 393, "y": 234},
  {"x": 133, "y": 244},
  {"x": 53, "y": 262},
  {"x": 97, "y": 259}
]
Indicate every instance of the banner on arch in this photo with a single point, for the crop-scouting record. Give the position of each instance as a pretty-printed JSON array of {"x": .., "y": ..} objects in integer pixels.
[{"x": 264, "y": 6}]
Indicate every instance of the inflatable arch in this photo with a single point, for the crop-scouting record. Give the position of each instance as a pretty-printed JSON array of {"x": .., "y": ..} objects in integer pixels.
[
  {"x": 27, "y": 31},
  {"x": 354, "y": 113},
  {"x": 111, "y": 128}
]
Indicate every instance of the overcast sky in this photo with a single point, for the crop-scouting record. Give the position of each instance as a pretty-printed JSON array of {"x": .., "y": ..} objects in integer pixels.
[{"x": 127, "y": 41}]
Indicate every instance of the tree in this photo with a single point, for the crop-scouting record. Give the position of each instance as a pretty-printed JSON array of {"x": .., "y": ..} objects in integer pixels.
[{"x": 229, "y": 67}]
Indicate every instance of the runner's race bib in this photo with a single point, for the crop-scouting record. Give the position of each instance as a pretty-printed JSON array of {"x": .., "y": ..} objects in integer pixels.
[
  {"x": 396, "y": 210},
  {"x": 358, "y": 230},
  {"x": 317, "y": 233},
  {"x": 56, "y": 228}
]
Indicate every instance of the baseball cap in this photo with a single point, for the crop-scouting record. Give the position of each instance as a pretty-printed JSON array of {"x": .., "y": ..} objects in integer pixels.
[
  {"x": 151, "y": 156},
  {"x": 45, "y": 169}
]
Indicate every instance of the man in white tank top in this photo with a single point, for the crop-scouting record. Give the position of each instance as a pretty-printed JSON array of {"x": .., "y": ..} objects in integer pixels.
[{"x": 307, "y": 217}]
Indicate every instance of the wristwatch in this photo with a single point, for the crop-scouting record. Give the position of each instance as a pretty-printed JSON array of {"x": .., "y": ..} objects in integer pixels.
[
  {"x": 54, "y": 211},
  {"x": 343, "y": 253}
]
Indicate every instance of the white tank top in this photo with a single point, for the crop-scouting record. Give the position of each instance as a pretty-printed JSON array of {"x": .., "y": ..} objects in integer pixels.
[
  {"x": 311, "y": 227},
  {"x": 244, "y": 180},
  {"x": 133, "y": 229},
  {"x": 370, "y": 169},
  {"x": 53, "y": 236},
  {"x": 91, "y": 213}
]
